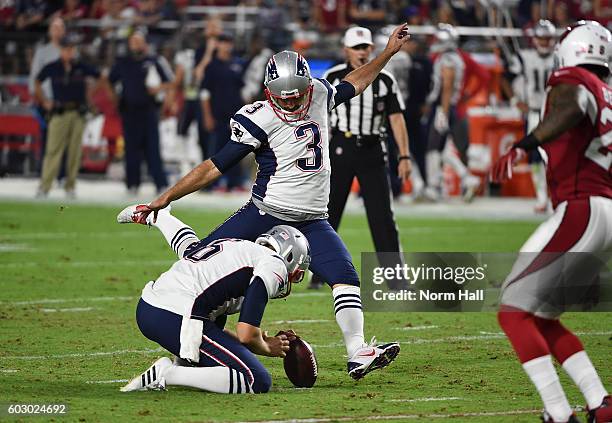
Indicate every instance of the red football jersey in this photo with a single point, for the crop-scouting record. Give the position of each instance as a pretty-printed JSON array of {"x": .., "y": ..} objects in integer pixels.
[{"x": 579, "y": 161}]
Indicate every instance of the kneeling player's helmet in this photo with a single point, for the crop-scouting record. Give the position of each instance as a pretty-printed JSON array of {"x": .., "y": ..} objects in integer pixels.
[
  {"x": 446, "y": 38},
  {"x": 288, "y": 85},
  {"x": 292, "y": 246},
  {"x": 543, "y": 37},
  {"x": 584, "y": 43}
]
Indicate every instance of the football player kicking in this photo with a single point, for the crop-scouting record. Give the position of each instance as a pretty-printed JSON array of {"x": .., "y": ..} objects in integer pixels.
[
  {"x": 575, "y": 137},
  {"x": 289, "y": 135},
  {"x": 186, "y": 308}
]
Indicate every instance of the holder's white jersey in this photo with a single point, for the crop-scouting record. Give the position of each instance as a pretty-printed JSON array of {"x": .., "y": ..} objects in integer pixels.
[
  {"x": 293, "y": 158},
  {"x": 212, "y": 280},
  {"x": 532, "y": 72}
]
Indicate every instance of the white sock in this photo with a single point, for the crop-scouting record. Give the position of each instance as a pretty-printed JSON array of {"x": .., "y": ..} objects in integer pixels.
[
  {"x": 433, "y": 168},
  {"x": 542, "y": 373},
  {"x": 223, "y": 380},
  {"x": 178, "y": 235},
  {"x": 584, "y": 375},
  {"x": 455, "y": 162},
  {"x": 349, "y": 316},
  {"x": 538, "y": 176}
]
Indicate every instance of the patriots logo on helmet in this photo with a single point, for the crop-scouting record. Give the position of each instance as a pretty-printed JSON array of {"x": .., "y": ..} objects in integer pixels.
[
  {"x": 301, "y": 68},
  {"x": 271, "y": 70}
]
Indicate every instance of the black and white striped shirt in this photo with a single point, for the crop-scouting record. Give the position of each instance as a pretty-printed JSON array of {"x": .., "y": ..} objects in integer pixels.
[{"x": 366, "y": 113}]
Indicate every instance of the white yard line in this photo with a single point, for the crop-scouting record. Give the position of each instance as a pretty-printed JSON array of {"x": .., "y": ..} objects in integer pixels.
[
  {"x": 16, "y": 248},
  {"x": 280, "y": 322},
  {"x": 417, "y": 327},
  {"x": 401, "y": 417},
  {"x": 8, "y": 371},
  {"x": 60, "y": 235},
  {"x": 107, "y": 381},
  {"x": 87, "y": 263},
  {"x": 425, "y": 399},
  {"x": 66, "y": 310},
  {"x": 335, "y": 344}
]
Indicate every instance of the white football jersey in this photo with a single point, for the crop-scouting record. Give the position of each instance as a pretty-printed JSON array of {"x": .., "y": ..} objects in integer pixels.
[
  {"x": 447, "y": 59},
  {"x": 212, "y": 281},
  {"x": 532, "y": 72},
  {"x": 293, "y": 176},
  {"x": 186, "y": 59}
]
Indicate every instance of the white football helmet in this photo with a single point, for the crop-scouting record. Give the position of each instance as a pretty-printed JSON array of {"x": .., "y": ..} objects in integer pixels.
[
  {"x": 293, "y": 247},
  {"x": 544, "y": 37},
  {"x": 288, "y": 85},
  {"x": 446, "y": 38},
  {"x": 584, "y": 43}
]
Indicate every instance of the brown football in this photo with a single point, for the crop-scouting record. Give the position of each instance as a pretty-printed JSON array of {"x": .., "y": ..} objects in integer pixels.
[{"x": 300, "y": 362}]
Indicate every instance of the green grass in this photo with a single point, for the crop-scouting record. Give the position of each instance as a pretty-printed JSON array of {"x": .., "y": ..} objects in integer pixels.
[{"x": 79, "y": 253}]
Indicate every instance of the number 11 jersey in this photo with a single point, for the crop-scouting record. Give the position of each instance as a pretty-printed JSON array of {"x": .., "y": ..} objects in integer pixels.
[{"x": 293, "y": 157}]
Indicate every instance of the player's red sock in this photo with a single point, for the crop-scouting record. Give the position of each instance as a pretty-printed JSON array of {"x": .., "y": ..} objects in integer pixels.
[
  {"x": 561, "y": 342},
  {"x": 523, "y": 333}
]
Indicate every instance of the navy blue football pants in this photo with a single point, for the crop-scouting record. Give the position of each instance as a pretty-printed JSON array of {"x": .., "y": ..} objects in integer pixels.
[
  {"x": 217, "y": 348},
  {"x": 329, "y": 257}
]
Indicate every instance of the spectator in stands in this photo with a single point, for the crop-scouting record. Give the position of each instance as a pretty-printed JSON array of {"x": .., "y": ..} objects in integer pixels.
[
  {"x": 43, "y": 55},
  {"x": 72, "y": 10},
  {"x": 273, "y": 19},
  {"x": 8, "y": 13},
  {"x": 115, "y": 24},
  {"x": 149, "y": 14},
  {"x": 31, "y": 14},
  {"x": 97, "y": 9},
  {"x": 221, "y": 99},
  {"x": 561, "y": 17},
  {"x": 331, "y": 16},
  {"x": 143, "y": 77},
  {"x": 602, "y": 12},
  {"x": 67, "y": 108},
  {"x": 368, "y": 13}
]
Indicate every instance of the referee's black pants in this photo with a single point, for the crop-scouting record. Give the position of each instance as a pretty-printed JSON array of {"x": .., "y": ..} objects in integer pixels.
[{"x": 368, "y": 164}]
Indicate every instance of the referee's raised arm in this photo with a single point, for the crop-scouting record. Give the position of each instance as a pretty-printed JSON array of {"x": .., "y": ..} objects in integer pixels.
[{"x": 363, "y": 76}]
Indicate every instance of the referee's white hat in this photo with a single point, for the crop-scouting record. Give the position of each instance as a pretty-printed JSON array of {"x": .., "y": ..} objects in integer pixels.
[{"x": 357, "y": 35}]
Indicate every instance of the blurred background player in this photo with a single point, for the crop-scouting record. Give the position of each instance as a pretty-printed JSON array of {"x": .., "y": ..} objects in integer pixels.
[
  {"x": 574, "y": 134},
  {"x": 442, "y": 100},
  {"x": 143, "y": 76},
  {"x": 289, "y": 136},
  {"x": 529, "y": 71},
  {"x": 67, "y": 108},
  {"x": 358, "y": 145},
  {"x": 186, "y": 308}
]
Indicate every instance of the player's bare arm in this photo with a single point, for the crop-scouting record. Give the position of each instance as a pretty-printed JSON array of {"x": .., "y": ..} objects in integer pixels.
[
  {"x": 448, "y": 76},
  {"x": 400, "y": 133},
  {"x": 260, "y": 343},
  {"x": 566, "y": 109},
  {"x": 363, "y": 76}
]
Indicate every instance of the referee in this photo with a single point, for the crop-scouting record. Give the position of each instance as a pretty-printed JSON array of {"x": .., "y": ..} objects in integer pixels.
[{"x": 357, "y": 147}]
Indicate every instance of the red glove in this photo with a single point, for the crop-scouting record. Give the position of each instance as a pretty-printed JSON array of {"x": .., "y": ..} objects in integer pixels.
[{"x": 502, "y": 170}]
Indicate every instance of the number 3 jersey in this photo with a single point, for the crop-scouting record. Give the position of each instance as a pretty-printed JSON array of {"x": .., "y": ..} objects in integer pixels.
[
  {"x": 578, "y": 162},
  {"x": 212, "y": 280},
  {"x": 292, "y": 180}
]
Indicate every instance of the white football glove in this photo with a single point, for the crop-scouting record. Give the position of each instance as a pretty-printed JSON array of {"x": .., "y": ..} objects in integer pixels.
[
  {"x": 153, "y": 80},
  {"x": 440, "y": 121}
]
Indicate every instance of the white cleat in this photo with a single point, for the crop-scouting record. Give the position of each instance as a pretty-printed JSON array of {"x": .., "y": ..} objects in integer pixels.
[
  {"x": 130, "y": 215},
  {"x": 152, "y": 379},
  {"x": 371, "y": 357},
  {"x": 471, "y": 183}
]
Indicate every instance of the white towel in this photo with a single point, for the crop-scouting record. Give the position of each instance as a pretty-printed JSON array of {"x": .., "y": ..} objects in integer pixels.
[{"x": 191, "y": 338}]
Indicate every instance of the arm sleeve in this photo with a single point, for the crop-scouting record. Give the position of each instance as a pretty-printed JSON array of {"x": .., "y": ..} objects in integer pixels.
[
  {"x": 113, "y": 76},
  {"x": 230, "y": 155},
  {"x": 344, "y": 92},
  {"x": 254, "y": 304}
]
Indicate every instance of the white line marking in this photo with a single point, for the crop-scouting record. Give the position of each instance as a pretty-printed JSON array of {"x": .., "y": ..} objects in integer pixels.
[
  {"x": 87, "y": 263},
  {"x": 400, "y": 417},
  {"x": 63, "y": 310},
  {"x": 425, "y": 399},
  {"x": 57, "y": 235},
  {"x": 108, "y": 381},
  {"x": 121, "y": 298},
  {"x": 280, "y": 322},
  {"x": 76, "y": 355},
  {"x": 67, "y": 300},
  {"x": 335, "y": 344},
  {"x": 8, "y": 371},
  {"x": 16, "y": 248},
  {"x": 417, "y": 327}
]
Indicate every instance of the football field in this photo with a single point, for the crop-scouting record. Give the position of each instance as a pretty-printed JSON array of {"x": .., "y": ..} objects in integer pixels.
[{"x": 71, "y": 278}]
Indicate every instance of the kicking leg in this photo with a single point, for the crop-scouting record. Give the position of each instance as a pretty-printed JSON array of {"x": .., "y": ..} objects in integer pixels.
[{"x": 178, "y": 235}]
